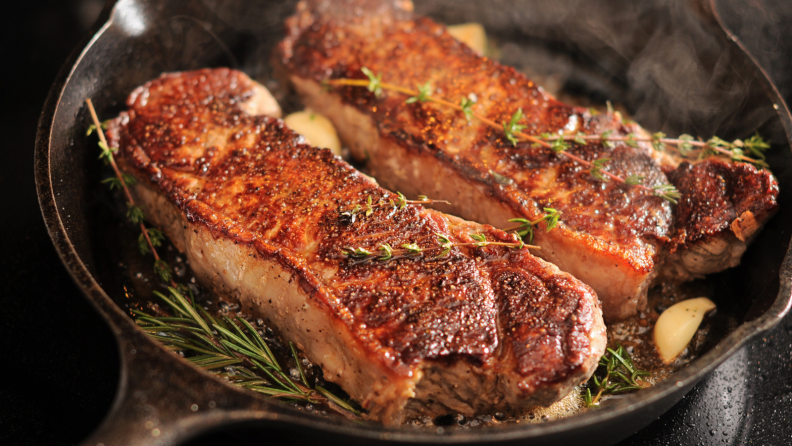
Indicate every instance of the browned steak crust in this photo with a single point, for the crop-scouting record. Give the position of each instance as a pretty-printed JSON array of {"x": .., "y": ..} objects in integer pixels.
[
  {"x": 611, "y": 236},
  {"x": 722, "y": 208},
  {"x": 715, "y": 193},
  {"x": 524, "y": 331}
]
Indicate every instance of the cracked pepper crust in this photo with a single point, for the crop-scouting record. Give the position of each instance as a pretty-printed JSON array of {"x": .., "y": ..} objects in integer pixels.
[
  {"x": 613, "y": 237},
  {"x": 241, "y": 193}
]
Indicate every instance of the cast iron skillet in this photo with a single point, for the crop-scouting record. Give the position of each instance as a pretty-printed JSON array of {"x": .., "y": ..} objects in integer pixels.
[{"x": 672, "y": 65}]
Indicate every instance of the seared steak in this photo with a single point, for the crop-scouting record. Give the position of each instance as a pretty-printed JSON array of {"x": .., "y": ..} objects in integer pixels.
[
  {"x": 614, "y": 237},
  {"x": 266, "y": 219}
]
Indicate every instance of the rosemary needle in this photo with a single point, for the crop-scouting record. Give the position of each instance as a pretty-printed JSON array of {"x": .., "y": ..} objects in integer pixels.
[{"x": 234, "y": 350}]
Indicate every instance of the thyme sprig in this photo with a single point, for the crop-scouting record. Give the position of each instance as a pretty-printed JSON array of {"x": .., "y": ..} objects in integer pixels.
[
  {"x": 232, "y": 349},
  {"x": 134, "y": 213},
  {"x": 618, "y": 374},
  {"x": 526, "y": 227},
  {"x": 399, "y": 203},
  {"x": 684, "y": 145},
  {"x": 386, "y": 252}
]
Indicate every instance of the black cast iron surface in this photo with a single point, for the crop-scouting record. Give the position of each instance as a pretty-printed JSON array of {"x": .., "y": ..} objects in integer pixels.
[{"x": 61, "y": 355}]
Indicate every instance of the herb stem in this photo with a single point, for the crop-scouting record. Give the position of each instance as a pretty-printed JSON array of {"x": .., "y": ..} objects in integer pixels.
[
  {"x": 673, "y": 141},
  {"x": 512, "y": 131},
  {"x": 484, "y": 119},
  {"x": 111, "y": 159}
]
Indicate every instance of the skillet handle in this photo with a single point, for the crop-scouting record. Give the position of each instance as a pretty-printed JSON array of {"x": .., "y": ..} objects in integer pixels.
[{"x": 164, "y": 401}]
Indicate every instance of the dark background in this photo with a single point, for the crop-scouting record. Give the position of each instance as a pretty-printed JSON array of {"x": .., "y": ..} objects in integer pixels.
[{"x": 61, "y": 360}]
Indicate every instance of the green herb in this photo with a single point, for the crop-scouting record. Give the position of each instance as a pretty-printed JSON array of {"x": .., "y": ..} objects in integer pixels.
[
  {"x": 107, "y": 152},
  {"x": 406, "y": 250},
  {"x": 163, "y": 270},
  {"x": 357, "y": 253},
  {"x": 387, "y": 252},
  {"x": 232, "y": 349},
  {"x": 375, "y": 82},
  {"x": 526, "y": 228},
  {"x": 512, "y": 127},
  {"x": 400, "y": 203},
  {"x": 657, "y": 141},
  {"x": 605, "y": 138},
  {"x": 596, "y": 169},
  {"x": 756, "y": 146},
  {"x": 155, "y": 239},
  {"x": 501, "y": 179},
  {"x": 667, "y": 192},
  {"x": 685, "y": 145},
  {"x": 631, "y": 141},
  {"x": 369, "y": 209},
  {"x": 632, "y": 180},
  {"x": 92, "y": 127},
  {"x": 481, "y": 239},
  {"x": 616, "y": 374},
  {"x": 559, "y": 145},
  {"x": 467, "y": 108},
  {"x": 135, "y": 213},
  {"x": 445, "y": 244},
  {"x": 151, "y": 238},
  {"x": 424, "y": 91},
  {"x": 412, "y": 248}
]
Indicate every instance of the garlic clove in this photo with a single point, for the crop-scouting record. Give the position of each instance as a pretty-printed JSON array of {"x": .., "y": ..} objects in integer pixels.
[
  {"x": 261, "y": 102},
  {"x": 471, "y": 34},
  {"x": 317, "y": 129},
  {"x": 677, "y": 326}
]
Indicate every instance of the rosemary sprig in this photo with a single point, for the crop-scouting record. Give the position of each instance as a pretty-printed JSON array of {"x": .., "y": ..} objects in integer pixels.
[
  {"x": 685, "y": 145},
  {"x": 525, "y": 229},
  {"x": 617, "y": 373},
  {"x": 444, "y": 245},
  {"x": 134, "y": 213},
  {"x": 232, "y": 349}
]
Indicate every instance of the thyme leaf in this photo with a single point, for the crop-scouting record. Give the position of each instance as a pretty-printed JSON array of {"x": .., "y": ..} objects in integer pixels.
[
  {"x": 424, "y": 91},
  {"x": 375, "y": 82},
  {"x": 616, "y": 373},
  {"x": 596, "y": 169},
  {"x": 525, "y": 229},
  {"x": 512, "y": 127},
  {"x": 135, "y": 213},
  {"x": 667, "y": 192},
  {"x": 467, "y": 108},
  {"x": 163, "y": 270}
]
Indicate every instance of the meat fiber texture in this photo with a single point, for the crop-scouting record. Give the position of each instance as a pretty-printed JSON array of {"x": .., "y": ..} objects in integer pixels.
[
  {"x": 265, "y": 219},
  {"x": 616, "y": 238}
]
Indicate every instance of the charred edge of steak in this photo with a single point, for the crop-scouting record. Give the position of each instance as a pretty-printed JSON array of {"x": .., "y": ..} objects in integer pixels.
[{"x": 722, "y": 208}]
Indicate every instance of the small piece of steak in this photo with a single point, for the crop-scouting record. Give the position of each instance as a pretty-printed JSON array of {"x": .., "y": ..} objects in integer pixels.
[
  {"x": 264, "y": 218},
  {"x": 616, "y": 238}
]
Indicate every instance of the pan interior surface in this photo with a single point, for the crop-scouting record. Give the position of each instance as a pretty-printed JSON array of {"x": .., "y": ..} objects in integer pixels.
[{"x": 669, "y": 65}]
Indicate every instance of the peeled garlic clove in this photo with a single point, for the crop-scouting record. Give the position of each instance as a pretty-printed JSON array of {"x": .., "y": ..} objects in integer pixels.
[
  {"x": 471, "y": 34},
  {"x": 677, "y": 326},
  {"x": 317, "y": 130},
  {"x": 261, "y": 102}
]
